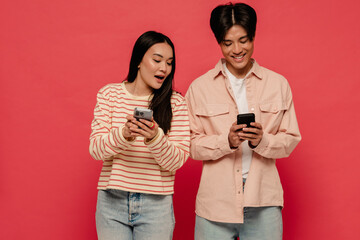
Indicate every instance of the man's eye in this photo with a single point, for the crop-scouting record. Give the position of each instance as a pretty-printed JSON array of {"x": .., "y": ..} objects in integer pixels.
[
  {"x": 244, "y": 40},
  {"x": 227, "y": 44}
]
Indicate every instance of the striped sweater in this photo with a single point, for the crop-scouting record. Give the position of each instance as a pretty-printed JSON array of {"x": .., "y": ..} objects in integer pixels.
[{"x": 136, "y": 166}]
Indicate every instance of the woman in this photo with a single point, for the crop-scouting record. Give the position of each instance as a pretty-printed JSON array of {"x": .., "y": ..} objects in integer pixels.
[{"x": 140, "y": 157}]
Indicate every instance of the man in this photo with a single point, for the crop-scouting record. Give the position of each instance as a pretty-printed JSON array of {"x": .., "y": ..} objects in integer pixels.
[{"x": 240, "y": 194}]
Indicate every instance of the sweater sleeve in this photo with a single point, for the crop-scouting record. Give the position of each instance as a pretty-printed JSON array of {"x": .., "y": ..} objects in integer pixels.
[
  {"x": 171, "y": 151},
  {"x": 105, "y": 142}
]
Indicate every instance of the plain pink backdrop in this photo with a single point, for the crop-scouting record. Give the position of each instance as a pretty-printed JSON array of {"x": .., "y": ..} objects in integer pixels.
[{"x": 56, "y": 55}]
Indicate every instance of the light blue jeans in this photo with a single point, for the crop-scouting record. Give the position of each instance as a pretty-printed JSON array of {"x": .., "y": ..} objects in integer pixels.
[
  {"x": 124, "y": 215},
  {"x": 260, "y": 223}
]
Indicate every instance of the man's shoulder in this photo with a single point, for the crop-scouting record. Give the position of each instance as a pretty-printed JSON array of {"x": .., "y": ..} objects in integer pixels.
[
  {"x": 271, "y": 75},
  {"x": 206, "y": 78}
]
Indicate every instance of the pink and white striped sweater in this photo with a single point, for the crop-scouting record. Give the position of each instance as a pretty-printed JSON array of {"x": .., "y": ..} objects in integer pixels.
[{"x": 137, "y": 166}]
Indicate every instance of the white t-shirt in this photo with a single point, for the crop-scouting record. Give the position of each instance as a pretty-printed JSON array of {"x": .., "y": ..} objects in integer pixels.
[{"x": 239, "y": 90}]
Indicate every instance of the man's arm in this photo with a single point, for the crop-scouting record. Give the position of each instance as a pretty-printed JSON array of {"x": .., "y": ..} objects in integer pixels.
[
  {"x": 283, "y": 142},
  {"x": 204, "y": 147}
]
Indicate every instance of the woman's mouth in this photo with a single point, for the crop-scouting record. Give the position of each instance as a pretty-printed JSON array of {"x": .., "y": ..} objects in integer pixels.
[{"x": 160, "y": 78}]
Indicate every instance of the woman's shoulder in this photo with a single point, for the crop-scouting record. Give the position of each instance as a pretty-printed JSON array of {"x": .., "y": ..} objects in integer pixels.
[
  {"x": 177, "y": 97},
  {"x": 111, "y": 88}
]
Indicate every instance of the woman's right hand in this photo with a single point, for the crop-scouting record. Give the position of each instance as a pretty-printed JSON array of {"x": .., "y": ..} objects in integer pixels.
[{"x": 126, "y": 132}]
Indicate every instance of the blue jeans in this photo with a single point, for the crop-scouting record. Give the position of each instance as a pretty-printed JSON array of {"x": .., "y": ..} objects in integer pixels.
[
  {"x": 260, "y": 223},
  {"x": 124, "y": 215}
]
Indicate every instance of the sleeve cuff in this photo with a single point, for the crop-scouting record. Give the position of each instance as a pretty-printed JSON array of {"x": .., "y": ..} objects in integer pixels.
[
  {"x": 263, "y": 144},
  {"x": 122, "y": 138},
  {"x": 155, "y": 139},
  {"x": 223, "y": 145}
]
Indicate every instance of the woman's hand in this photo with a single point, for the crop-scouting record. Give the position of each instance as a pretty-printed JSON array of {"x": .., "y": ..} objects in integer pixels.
[
  {"x": 144, "y": 128},
  {"x": 127, "y": 132},
  {"x": 148, "y": 129}
]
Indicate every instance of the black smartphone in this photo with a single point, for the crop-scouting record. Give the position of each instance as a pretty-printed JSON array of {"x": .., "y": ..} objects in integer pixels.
[{"x": 245, "y": 118}]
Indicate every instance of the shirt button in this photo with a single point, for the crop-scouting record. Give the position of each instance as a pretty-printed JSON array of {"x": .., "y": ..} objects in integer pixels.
[
  {"x": 238, "y": 170},
  {"x": 238, "y": 192},
  {"x": 252, "y": 109}
]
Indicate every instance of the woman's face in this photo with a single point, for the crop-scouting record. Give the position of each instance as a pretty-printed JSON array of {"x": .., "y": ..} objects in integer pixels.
[{"x": 155, "y": 66}]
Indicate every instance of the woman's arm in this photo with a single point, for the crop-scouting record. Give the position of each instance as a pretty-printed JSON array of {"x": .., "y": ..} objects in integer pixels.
[
  {"x": 171, "y": 151},
  {"x": 105, "y": 142}
]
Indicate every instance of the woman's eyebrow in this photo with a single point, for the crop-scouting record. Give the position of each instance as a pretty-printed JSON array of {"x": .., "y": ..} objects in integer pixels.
[{"x": 159, "y": 55}]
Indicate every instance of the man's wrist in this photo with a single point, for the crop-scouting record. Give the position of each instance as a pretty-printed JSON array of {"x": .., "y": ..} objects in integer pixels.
[
  {"x": 253, "y": 146},
  {"x": 231, "y": 147}
]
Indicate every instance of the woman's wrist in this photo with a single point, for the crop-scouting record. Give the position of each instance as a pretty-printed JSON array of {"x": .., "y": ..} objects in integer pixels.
[
  {"x": 150, "y": 140},
  {"x": 129, "y": 139}
]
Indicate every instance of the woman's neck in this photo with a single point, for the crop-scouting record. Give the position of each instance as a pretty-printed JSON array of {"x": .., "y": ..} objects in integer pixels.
[{"x": 137, "y": 88}]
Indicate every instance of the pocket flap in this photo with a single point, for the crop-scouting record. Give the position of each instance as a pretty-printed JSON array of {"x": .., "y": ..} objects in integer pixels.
[
  {"x": 273, "y": 107},
  {"x": 210, "y": 110}
]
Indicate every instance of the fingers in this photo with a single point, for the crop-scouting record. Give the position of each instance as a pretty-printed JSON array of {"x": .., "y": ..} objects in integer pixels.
[
  {"x": 253, "y": 134},
  {"x": 145, "y": 128},
  {"x": 235, "y": 127},
  {"x": 130, "y": 118},
  {"x": 141, "y": 127},
  {"x": 256, "y": 125},
  {"x": 233, "y": 136}
]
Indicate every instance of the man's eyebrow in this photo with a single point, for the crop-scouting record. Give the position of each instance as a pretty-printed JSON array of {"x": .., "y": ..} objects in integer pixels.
[{"x": 227, "y": 40}]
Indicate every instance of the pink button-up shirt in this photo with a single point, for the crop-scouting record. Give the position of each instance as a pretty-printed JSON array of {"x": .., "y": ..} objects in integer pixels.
[{"x": 212, "y": 110}]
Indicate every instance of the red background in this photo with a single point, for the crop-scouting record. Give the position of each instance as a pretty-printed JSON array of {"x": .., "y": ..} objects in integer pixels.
[{"x": 56, "y": 55}]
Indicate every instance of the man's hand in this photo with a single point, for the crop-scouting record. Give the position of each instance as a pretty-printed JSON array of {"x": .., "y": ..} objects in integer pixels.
[
  {"x": 233, "y": 137},
  {"x": 252, "y": 134}
]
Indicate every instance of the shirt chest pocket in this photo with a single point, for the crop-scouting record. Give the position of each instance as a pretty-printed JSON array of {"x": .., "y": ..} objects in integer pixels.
[
  {"x": 271, "y": 114},
  {"x": 214, "y": 117},
  {"x": 273, "y": 107}
]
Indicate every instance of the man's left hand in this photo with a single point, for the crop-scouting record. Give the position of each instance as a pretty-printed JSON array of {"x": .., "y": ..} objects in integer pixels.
[{"x": 252, "y": 134}]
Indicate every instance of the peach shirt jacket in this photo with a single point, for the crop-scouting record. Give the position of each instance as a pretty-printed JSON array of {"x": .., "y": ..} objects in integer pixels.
[{"x": 212, "y": 110}]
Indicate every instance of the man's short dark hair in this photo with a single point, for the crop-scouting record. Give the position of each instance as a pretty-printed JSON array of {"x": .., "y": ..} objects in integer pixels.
[{"x": 223, "y": 17}]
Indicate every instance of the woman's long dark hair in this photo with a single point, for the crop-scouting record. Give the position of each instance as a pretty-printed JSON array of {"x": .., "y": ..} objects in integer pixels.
[{"x": 160, "y": 102}]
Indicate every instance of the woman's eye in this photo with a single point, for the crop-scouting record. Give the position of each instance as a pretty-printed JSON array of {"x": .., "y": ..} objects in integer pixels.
[
  {"x": 156, "y": 60},
  {"x": 169, "y": 63}
]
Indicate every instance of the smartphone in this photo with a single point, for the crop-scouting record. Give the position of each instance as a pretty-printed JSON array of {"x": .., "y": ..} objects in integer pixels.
[
  {"x": 143, "y": 113},
  {"x": 245, "y": 118}
]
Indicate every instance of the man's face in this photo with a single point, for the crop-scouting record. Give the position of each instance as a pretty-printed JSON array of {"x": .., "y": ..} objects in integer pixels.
[{"x": 237, "y": 50}]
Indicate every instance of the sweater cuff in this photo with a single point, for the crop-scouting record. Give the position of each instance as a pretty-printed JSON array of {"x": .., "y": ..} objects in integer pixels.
[
  {"x": 155, "y": 140},
  {"x": 122, "y": 138}
]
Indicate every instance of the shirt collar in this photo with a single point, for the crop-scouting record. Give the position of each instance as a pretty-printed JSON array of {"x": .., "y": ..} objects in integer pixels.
[{"x": 219, "y": 69}]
